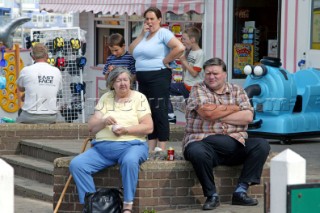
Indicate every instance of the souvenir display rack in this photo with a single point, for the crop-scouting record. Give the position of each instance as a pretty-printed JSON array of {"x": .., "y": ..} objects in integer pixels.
[
  {"x": 66, "y": 51},
  {"x": 9, "y": 101}
]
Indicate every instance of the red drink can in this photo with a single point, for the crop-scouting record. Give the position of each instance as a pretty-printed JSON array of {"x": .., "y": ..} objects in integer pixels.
[{"x": 170, "y": 154}]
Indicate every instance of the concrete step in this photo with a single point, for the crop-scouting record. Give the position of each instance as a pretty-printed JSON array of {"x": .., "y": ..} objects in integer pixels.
[
  {"x": 25, "y": 204},
  {"x": 33, "y": 189},
  {"x": 31, "y": 168},
  {"x": 50, "y": 149}
]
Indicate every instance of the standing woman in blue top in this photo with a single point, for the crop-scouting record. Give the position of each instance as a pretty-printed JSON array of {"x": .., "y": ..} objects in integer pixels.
[{"x": 153, "y": 50}]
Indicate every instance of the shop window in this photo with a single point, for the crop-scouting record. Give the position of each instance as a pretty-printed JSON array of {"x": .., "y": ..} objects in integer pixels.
[
  {"x": 131, "y": 26},
  {"x": 315, "y": 28},
  {"x": 47, "y": 19},
  {"x": 255, "y": 33},
  {"x": 34, "y": 18},
  {"x": 136, "y": 28},
  {"x": 70, "y": 19},
  {"x": 105, "y": 20},
  {"x": 178, "y": 23},
  {"x": 52, "y": 18},
  {"x": 40, "y": 18},
  {"x": 105, "y": 26}
]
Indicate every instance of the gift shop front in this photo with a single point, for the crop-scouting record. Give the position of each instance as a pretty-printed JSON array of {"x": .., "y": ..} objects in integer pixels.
[
  {"x": 244, "y": 31},
  {"x": 238, "y": 31},
  {"x": 100, "y": 19}
]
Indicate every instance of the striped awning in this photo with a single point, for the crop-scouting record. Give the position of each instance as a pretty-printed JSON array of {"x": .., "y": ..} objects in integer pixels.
[{"x": 120, "y": 7}]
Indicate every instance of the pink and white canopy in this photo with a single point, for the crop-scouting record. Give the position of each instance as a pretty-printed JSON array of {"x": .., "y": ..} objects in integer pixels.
[{"x": 122, "y": 6}]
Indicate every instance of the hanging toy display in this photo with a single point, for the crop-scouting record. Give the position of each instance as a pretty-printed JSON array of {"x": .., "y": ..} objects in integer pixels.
[
  {"x": 76, "y": 88},
  {"x": 81, "y": 61},
  {"x": 83, "y": 48},
  {"x": 73, "y": 69},
  {"x": 75, "y": 44},
  {"x": 67, "y": 50},
  {"x": 3, "y": 80},
  {"x": 51, "y": 60},
  {"x": 8, "y": 77},
  {"x": 3, "y": 63},
  {"x": 34, "y": 42},
  {"x": 76, "y": 104},
  {"x": 68, "y": 114},
  {"x": 58, "y": 44},
  {"x": 61, "y": 62}
]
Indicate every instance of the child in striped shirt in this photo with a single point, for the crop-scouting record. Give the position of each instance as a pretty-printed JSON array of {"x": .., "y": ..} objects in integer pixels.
[{"x": 119, "y": 56}]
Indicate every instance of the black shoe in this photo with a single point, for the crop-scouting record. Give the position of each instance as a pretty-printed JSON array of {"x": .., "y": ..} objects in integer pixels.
[
  {"x": 211, "y": 203},
  {"x": 241, "y": 198},
  {"x": 172, "y": 120}
]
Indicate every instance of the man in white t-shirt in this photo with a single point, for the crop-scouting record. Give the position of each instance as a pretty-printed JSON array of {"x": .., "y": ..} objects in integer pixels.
[
  {"x": 40, "y": 83},
  {"x": 192, "y": 66}
]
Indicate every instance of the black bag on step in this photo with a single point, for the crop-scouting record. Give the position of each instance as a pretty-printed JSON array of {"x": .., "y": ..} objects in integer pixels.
[{"x": 104, "y": 200}]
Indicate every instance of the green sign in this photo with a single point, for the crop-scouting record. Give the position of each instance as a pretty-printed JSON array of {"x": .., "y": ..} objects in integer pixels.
[{"x": 303, "y": 198}]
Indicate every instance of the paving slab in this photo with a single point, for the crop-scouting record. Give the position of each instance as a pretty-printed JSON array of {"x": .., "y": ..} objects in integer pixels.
[{"x": 27, "y": 205}]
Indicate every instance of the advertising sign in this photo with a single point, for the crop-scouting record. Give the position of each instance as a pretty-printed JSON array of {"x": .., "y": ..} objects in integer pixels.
[{"x": 243, "y": 55}]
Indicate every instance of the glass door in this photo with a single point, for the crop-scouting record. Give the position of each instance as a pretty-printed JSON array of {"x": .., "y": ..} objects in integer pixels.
[
  {"x": 255, "y": 33},
  {"x": 313, "y": 54},
  {"x": 105, "y": 26}
]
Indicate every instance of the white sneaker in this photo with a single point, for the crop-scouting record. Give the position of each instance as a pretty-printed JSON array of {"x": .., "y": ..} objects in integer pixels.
[
  {"x": 172, "y": 120},
  {"x": 157, "y": 149}
]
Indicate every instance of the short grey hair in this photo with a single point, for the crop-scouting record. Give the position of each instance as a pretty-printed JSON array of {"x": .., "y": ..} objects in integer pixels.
[
  {"x": 39, "y": 51},
  {"x": 113, "y": 75}
]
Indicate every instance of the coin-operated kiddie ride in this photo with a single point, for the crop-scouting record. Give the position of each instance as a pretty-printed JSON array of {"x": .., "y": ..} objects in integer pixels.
[{"x": 287, "y": 105}]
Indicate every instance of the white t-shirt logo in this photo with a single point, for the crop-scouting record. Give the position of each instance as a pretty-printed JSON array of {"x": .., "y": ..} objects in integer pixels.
[{"x": 45, "y": 79}]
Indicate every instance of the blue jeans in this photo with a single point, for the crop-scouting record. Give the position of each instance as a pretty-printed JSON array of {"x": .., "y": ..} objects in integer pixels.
[
  {"x": 128, "y": 154},
  {"x": 177, "y": 89}
]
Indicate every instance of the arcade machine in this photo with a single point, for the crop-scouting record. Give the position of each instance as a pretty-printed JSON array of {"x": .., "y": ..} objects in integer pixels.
[{"x": 286, "y": 105}]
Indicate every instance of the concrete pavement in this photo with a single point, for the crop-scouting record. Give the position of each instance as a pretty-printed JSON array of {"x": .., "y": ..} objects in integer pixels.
[{"x": 26, "y": 205}]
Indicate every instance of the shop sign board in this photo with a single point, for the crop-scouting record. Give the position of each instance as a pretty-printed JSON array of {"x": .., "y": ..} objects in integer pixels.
[{"x": 243, "y": 55}]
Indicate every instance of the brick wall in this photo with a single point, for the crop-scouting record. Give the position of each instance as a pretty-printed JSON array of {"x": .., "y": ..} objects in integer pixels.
[
  {"x": 162, "y": 185},
  {"x": 12, "y": 133}
]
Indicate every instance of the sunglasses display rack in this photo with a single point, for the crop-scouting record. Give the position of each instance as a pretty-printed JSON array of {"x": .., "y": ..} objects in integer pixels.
[{"x": 66, "y": 52}]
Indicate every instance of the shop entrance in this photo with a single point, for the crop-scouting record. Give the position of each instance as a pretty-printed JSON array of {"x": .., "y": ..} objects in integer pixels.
[
  {"x": 255, "y": 32},
  {"x": 313, "y": 53}
]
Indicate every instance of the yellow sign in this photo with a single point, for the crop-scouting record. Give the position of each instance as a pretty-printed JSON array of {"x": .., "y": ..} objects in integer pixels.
[{"x": 243, "y": 55}]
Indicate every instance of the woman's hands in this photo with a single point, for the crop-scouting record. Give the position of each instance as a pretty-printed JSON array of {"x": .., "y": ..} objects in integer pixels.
[
  {"x": 146, "y": 28},
  {"x": 117, "y": 129},
  {"x": 167, "y": 65},
  {"x": 110, "y": 121}
]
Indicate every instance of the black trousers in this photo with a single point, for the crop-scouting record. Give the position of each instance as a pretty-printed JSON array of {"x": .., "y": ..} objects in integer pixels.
[
  {"x": 155, "y": 86},
  {"x": 217, "y": 150}
]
